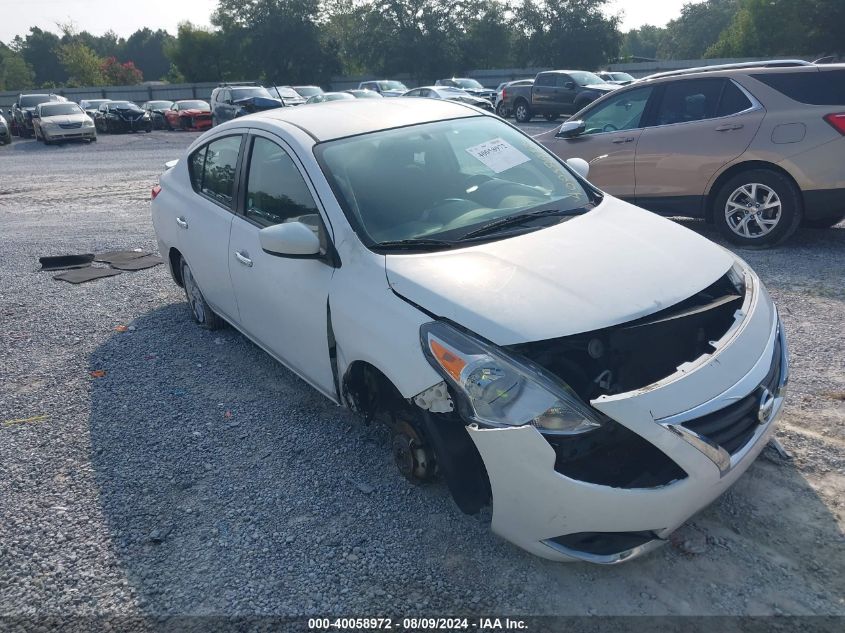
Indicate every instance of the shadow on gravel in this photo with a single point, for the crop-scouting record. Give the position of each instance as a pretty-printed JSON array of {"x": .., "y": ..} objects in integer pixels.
[{"x": 230, "y": 487}]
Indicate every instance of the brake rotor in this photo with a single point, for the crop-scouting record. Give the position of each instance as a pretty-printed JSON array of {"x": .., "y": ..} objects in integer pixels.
[{"x": 414, "y": 460}]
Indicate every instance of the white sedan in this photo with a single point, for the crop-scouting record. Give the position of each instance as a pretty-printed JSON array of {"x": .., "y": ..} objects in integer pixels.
[
  {"x": 596, "y": 372},
  {"x": 62, "y": 121}
]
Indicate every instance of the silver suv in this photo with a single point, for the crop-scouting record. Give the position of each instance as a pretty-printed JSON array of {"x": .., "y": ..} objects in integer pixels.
[{"x": 756, "y": 149}]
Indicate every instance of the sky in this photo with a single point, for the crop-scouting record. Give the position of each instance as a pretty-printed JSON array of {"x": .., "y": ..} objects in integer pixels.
[{"x": 124, "y": 18}]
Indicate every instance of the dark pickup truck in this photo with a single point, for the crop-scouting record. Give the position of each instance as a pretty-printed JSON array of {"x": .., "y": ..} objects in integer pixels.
[{"x": 553, "y": 93}]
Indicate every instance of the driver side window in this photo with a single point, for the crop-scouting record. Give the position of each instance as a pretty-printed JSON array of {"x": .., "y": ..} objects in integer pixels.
[{"x": 621, "y": 112}]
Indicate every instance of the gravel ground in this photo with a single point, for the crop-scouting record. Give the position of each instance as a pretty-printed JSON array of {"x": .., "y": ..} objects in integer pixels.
[{"x": 198, "y": 476}]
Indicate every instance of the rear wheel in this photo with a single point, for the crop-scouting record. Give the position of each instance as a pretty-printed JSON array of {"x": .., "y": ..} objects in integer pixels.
[
  {"x": 758, "y": 208},
  {"x": 501, "y": 110},
  {"x": 522, "y": 112},
  {"x": 200, "y": 310},
  {"x": 825, "y": 223}
]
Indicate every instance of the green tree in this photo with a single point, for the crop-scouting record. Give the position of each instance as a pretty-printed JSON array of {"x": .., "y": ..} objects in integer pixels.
[
  {"x": 145, "y": 48},
  {"x": 15, "y": 73},
  {"x": 643, "y": 42},
  {"x": 198, "y": 53},
  {"x": 566, "y": 33},
  {"x": 697, "y": 29},
  {"x": 40, "y": 51},
  {"x": 117, "y": 74},
  {"x": 81, "y": 64}
]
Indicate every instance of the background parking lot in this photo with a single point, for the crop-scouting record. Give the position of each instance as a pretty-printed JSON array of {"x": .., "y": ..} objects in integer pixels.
[{"x": 199, "y": 476}]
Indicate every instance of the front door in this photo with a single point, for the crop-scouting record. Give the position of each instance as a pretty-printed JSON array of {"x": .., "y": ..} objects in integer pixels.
[
  {"x": 609, "y": 141},
  {"x": 698, "y": 126},
  {"x": 282, "y": 300}
]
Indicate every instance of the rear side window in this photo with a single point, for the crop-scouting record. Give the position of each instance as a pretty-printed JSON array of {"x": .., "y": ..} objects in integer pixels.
[
  {"x": 276, "y": 191},
  {"x": 689, "y": 100},
  {"x": 733, "y": 100},
  {"x": 212, "y": 169},
  {"x": 823, "y": 87}
]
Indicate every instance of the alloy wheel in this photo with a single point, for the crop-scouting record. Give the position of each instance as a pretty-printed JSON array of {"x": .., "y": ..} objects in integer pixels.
[{"x": 753, "y": 210}]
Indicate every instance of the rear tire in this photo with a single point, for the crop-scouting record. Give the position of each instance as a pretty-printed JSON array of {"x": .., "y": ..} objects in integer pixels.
[
  {"x": 758, "y": 208},
  {"x": 824, "y": 223},
  {"x": 201, "y": 312},
  {"x": 521, "y": 111},
  {"x": 501, "y": 111}
]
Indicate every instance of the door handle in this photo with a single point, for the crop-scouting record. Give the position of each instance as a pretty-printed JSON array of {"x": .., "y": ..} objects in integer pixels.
[
  {"x": 626, "y": 139},
  {"x": 181, "y": 222},
  {"x": 729, "y": 126},
  {"x": 242, "y": 258}
]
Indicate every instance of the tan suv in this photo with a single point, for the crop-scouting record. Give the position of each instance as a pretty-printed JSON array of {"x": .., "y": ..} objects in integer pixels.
[{"x": 758, "y": 150}]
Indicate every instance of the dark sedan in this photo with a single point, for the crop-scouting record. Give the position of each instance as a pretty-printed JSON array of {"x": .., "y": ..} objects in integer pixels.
[
  {"x": 92, "y": 105},
  {"x": 156, "y": 110},
  {"x": 122, "y": 116},
  {"x": 23, "y": 109}
]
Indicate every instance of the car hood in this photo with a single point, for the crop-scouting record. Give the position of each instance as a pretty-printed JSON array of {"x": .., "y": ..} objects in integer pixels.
[
  {"x": 193, "y": 112},
  {"x": 606, "y": 87},
  {"x": 254, "y": 104},
  {"x": 62, "y": 119},
  {"x": 614, "y": 264}
]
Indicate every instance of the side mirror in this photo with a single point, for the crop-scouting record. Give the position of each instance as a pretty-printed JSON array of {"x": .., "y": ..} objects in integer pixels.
[
  {"x": 569, "y": 85},
  {"x": 579, "y": 166},
  {"x": 290, "y": 239},
  {"x": 571, "y": 129}
]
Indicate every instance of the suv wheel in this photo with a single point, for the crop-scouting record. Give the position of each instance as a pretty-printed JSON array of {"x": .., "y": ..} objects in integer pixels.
[
  {"x": 522, "y": 112},
  {"x": 501, "y": 111},
  {"x": 758, "y": 208},
  {"x": 200, "y": 310}
]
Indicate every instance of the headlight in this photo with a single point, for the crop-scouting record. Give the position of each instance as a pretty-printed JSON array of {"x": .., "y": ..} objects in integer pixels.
[
  {"x": 737, "y": 277},
  {"x": 88, "y": 123},
  {"x": 48, "y": 124},
  {"x": 146, "y": 116},
  {"x": 497, "y": 390}
]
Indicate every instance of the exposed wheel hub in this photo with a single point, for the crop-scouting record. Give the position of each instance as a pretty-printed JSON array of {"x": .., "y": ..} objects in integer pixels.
[{"x": 411, "y": 455}]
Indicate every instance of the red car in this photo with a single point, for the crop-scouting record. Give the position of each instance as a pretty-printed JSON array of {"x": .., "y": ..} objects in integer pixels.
[{"x": 188, "y": 115}]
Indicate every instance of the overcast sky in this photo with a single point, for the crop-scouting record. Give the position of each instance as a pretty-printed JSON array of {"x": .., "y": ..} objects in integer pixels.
[{"x": 125, "y": 17}]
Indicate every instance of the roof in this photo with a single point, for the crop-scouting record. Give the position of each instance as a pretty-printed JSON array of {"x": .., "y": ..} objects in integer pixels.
[{"x": 337, "y": 119}]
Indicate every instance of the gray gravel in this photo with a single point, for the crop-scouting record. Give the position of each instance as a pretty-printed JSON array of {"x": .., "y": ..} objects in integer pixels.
[{"x": 198, "y": 476}]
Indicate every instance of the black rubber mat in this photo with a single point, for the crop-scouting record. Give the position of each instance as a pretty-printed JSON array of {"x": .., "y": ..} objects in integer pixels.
[
  {"x": 62, "y": 262},
  {"x": 81, "y": 275},
  {"x": 139, "y": 263},
  {"x": 117, "y": 257}
]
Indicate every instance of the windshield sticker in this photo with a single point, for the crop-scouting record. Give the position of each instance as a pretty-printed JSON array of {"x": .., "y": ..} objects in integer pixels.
[{"x": 497, "y": 155}]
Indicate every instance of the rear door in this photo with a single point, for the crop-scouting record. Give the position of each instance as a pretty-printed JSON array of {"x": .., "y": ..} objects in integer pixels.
[
  {"x": 542, "y": 93},
  {"x": 613, "y": 128},
  {"x": 696, "y": 127},
  {"x": 283, "y": 301},
  {"x": 205, "y": 220}
]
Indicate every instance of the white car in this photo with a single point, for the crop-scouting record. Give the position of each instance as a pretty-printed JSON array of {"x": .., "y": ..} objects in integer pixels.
[
  {"x": 595, "y": 371},
  {"x": 54, "y": 122}
]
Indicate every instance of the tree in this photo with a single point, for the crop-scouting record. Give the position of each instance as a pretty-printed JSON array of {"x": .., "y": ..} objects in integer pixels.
[
  {"x": 40, "y": 51},
  {"x": 197, "y": 53},
  {"x": 281, "y": 39},
  {"x": 15, "y": 73},
  {"x": 643, "y": 42},
  {"x": 82, "y": 65},
  {"x": 697, "y": 29},
  {"x": 145, "y": 48},
  {"x": 117, "y": 74},
  {"x": 782, "y": 27},
  {"x": 566, "y": 33}
]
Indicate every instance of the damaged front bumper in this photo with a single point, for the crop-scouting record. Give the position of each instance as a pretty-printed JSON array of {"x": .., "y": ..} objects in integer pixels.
[{"x": 710, "y": 419}]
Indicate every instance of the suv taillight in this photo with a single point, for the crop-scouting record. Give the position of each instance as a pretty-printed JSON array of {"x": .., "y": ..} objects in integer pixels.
[
  {"x": 156, "y": 190},
  {"x": 504, "y": 94},
  {"x": 837, "y": 120}
]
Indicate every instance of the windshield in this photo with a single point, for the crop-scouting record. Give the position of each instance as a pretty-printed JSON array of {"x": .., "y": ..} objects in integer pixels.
[
  {"x": 621, "y": 77},
  {"x": 391, "y": 85},
  {"x": 123, "y": 105},
  {"x": 287, "y": 93},
  {"x": 93, "y": 104},
  {"x": 58, "y": 109},
  {"x": 585, "y": 79},
  {"x": 246, "y": 93},
  {"x": 30, "y": 101},
  {"x": 472, "y": 84},
  {"x": 309, "y": 91},
  {"x": 193, "y": 105},
  {"x": 443, "y": 180}
]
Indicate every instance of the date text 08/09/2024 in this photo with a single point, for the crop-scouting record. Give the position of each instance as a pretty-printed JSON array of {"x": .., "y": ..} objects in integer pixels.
[{"x": 418, "y": 624}]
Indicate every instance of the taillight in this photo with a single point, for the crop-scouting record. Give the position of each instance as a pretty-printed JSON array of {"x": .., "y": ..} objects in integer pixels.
[
  {"x": 837, "y": 120},
  {"x": 156, "y": 190},
  {"x": 504, "y": 94}
]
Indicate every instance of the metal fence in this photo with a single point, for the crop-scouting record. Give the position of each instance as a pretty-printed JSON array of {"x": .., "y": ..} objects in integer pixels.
[{"x": 490, "y": 78}]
